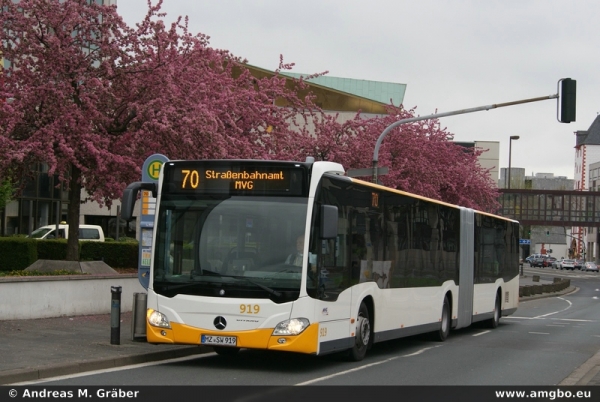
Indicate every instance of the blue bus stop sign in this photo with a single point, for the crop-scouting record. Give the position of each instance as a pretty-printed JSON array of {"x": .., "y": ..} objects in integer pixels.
[{"x": 150, "y": 172}]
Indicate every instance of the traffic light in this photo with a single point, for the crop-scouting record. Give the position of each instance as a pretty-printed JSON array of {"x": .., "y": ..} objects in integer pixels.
[{"x": 567, "y": 100}]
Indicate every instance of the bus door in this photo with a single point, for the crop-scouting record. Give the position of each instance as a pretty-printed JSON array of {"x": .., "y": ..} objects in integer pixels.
[{"x": 331, "y": 279}]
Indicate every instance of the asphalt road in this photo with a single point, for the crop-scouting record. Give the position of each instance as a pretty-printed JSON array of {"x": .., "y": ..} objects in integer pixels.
[{"x": 542, "y": 344}]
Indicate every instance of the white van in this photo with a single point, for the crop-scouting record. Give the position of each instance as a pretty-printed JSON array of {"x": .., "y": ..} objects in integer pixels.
[{"x": 86, "y": 232}]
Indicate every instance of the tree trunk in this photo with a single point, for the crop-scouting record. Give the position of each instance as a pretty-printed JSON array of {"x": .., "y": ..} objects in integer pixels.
[{"x": 73, "y": 214}]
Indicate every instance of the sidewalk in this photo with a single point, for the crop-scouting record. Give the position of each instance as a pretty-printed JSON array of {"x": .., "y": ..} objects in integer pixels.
[
  {"x": 43, "y": 348},
  {"x": 49, "y": 347}
]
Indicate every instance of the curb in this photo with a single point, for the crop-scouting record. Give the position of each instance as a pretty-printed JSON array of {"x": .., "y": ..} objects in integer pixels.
[
  {"x": 38, "y": 373},
  {"x": 569, "y": 290},
  {"x": 587, "y": 374},
  {"x": 558, "y": 285}
]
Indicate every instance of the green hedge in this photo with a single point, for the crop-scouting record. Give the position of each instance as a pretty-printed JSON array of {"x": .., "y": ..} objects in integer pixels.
[
  {"x": 51, "y": 249},
  {"x": 114, "y": 254},
  {"x": 18, "y": 253}
]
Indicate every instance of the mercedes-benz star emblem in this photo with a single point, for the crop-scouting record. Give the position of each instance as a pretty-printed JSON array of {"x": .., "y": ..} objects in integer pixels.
[{"x": 220, "y": 322}]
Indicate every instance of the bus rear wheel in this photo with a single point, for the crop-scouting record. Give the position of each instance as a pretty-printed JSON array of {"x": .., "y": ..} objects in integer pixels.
[
  {"x": 441, "y": 334},
  {"x": 495, "y": 320},
  {"x": 362, "y": 336}
]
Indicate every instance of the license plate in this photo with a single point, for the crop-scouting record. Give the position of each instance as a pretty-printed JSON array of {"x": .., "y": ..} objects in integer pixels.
[{"x": 218, "y": 340}]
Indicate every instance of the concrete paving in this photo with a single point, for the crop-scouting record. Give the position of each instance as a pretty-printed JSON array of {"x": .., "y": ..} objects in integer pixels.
[{"x": 49, "y": 347}]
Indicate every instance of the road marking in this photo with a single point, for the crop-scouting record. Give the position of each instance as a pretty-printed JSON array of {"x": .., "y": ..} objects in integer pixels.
[
  {"x": 559, "y": 311},
  {"x": 540, "y": 333},
  {"x": 113, "y": 369},
  {"x": 364, "y": 367},
  {"x": 482, "y": 333},
  {"x": 542, "y": 318},
  {"x": 571, "y": 320}
]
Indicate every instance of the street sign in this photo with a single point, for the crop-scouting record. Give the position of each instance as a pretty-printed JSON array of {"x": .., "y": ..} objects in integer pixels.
[
  {"x": 524, "y": 241},
  {"x": 150, "y": 173}
]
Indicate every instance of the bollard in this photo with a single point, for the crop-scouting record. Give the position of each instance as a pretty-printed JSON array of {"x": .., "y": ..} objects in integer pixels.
[{"x": 115, "y": 315}]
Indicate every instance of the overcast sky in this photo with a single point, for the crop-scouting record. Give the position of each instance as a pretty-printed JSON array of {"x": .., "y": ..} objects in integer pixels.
[{"x": 452, "y": 55}]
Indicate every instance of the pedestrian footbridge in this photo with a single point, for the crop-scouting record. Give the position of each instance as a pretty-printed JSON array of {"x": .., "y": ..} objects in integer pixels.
[{"x": 551, "y": 207}]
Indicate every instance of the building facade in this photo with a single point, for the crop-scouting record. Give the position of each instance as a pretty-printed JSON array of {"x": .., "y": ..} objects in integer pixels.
[{"x": 587, "y": 178}]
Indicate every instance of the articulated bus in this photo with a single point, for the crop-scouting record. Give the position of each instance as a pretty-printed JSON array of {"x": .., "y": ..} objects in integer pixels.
[{"x": 377, "y": 263}]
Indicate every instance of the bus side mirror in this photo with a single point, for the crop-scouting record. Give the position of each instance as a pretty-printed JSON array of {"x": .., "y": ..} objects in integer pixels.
[
  {"x": 130, "y": 196},
  {"x": 329, "y": 221}
]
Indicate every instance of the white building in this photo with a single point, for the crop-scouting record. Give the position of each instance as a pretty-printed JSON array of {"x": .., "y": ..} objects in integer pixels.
[{"x": 587, "y": 178}]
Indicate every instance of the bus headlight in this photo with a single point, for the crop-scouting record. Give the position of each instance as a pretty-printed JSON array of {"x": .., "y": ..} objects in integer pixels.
[
  {"x": 295, "y": 326},
  {"x": 158, "y": 319}
]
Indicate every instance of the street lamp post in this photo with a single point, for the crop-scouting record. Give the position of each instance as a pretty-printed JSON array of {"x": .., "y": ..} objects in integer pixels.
[{"x": 512, "y": 137}]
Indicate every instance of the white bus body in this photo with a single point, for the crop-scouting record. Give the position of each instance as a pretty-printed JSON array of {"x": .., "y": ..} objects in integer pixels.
[{"x": 387, "y": 264}]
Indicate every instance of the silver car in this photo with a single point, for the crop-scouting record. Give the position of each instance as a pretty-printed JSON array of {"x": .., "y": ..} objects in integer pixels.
[
  {"x": 567, "y": 264},
  {"x": 590, "y": 266}
]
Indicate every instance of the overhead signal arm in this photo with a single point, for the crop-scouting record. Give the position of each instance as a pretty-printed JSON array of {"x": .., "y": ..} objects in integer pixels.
[{"x": 566, "y": 105}]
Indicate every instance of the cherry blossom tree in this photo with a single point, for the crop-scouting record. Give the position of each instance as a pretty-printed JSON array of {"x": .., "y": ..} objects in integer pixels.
[
  {"x": 421, "y": 157},
  {"x": 92, "y": 98}
]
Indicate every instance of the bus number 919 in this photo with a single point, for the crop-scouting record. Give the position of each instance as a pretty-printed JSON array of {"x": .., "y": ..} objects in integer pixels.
[{"x": 249, "y": 308}]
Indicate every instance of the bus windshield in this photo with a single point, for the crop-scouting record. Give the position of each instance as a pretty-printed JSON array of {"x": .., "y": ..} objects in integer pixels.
[{"x": 228, "y": 246}]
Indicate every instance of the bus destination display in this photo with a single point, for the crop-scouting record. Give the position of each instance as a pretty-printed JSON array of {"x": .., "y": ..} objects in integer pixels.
[{"x": 250, "y": 179}]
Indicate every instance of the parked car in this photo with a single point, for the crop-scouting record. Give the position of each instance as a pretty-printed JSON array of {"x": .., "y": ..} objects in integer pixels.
[
  {"x": 86, "y": 232},
  {"x": 590, "y": 266},
  {"x": 537, "y": 262},
  {"x": 532, "y": 258},
  {"x": 556, "y": 264},
  {"x": 548, "y": 262},
  {"x": 579, "y": 264},
  {"x": 567, "y": 264}
]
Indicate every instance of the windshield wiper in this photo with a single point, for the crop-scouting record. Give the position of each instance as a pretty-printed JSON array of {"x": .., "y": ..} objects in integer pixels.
[
  {"x": 212, "y": 273},
  {"x": 263, "y": 287},
  {"x": 169, "y": 286}
]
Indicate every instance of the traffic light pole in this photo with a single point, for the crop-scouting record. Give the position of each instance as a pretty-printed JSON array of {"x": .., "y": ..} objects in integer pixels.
[{"x": 446, "y": 114}]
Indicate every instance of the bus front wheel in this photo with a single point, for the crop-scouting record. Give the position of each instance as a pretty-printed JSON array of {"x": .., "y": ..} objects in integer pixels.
[{"x": 362, "y": 336}]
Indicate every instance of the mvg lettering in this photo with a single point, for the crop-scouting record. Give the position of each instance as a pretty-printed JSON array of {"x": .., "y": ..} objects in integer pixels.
[{"x": 244, "y": 185}]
